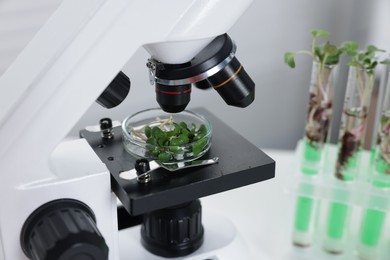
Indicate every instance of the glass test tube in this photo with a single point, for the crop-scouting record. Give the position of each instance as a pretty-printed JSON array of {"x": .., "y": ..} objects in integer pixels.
[
  {"x": 318, "y": 118},
  {"x": 351, "y": 139},
  {"x": 373, "y": 221},
  {"x": 317, "y": 125}
]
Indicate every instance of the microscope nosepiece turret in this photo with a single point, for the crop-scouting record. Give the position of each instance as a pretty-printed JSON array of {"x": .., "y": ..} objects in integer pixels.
[{"x": 214, "y": 67}]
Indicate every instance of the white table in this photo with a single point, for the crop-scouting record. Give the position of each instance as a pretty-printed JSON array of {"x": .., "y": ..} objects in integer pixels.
[{"x": 263, "y": 214}]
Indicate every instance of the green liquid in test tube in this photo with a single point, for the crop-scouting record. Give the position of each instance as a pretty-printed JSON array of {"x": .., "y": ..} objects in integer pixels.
[
  {"x": 351, "y": 140},
  {"x": 339, "y": 214},
  {"x": 371, "y": 229},
  {"x": 311, "y": 158},
  {"x": 373, "y": 220},
  {"x": 306, "y": 206},
  {"x": 316, "y": 134}
]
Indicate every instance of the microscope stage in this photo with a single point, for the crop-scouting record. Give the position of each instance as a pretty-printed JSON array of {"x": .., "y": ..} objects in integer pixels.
[{"x": 240, "y": 163}]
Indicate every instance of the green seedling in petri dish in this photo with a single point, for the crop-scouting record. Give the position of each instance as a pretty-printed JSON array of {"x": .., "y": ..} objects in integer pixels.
[{"x": 164, "y": 138}]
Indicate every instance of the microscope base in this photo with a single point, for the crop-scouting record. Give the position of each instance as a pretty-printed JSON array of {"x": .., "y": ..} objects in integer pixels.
[{"x": 221, "y": 242}]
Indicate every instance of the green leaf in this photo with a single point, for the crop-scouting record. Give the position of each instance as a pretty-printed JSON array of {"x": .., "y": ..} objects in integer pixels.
[
  {"x": 183, "y": 125},
  {"x": 373, "y": 49},
  {"x": 386, "y": 62},
  {"x": 370, "y": 72},
  {"x": 384, "y": 121},
  {"x": 361, "y": 56},
  {"x": 289, "y": 59},
  {"x": 176, "y": 130},
  {"x": 164, "y": 157},
  {"x": 332, "y": 60},
  {"x": 202, "y": 129},
  {"x": 198, "y": 146},
  {"x": 350, "y": 48},
  {"x": 185, "y": 131},
  {"x": 353, "y": 63},
  {"x": 180, "y": 140},
  {"x": 175, "y": 142},
  {"x": 170, "y": 133},
  {"x": 372, "y": 65},
  {"x": 148, "y": 131},
  {"x": 330, "y": 49},
  {"x": 155, "y": 152},
  {"x": 152, "y": 141},
  {"x": 367, "y": 61},
  {"x": 158, "y": 133},
  {"x": 198, "y": 137},
  {"x": 350, "y": 45},
  {"x": 318, "y": 33},
  {"x": 184, "y": 139},
  {"x": 161, "y": 141},
  {"x": 193, "y": 128},
  {"x": 174, "y": 149},
  {"x": 318, "y": 52}
]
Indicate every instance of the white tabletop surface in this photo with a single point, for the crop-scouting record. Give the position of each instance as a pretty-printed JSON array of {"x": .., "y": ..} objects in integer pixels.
[{"x": 263, "y": 213}]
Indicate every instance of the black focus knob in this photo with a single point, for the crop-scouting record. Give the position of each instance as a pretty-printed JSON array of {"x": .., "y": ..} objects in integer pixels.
[
  {"x": 175, "y": 231},
  {"x": 62, "y": 230},
  {"x": 115, "y": 92}
]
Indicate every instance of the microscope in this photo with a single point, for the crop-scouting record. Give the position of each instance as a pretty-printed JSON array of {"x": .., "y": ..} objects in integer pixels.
[{"x": 59, "y": 196}]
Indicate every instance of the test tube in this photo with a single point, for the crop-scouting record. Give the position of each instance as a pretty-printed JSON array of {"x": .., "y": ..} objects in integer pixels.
[
  {"x": 317, "y": 125},
  {"x": 319, "y": 115},
  {"x": 351, "y": 137},
  {"x": 373, "y": 220}
]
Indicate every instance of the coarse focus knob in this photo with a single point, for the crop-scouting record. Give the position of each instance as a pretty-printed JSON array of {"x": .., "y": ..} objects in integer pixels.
[
  {"x": 63, "y": 229},
  {"x": 175, "y": 231},
  {"x": 115, "y": 92}
]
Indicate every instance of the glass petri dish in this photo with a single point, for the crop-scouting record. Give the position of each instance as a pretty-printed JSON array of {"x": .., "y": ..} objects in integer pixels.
[{"x": 171, "y": 147}]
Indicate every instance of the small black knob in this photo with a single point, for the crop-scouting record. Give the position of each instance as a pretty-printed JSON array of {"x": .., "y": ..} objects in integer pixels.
[
  {"x": 106, "y": 128},
  {"x": 175, "y": 231},
  {"x": 142, "y": 166},
  {"x": 63, "y": 229}
]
